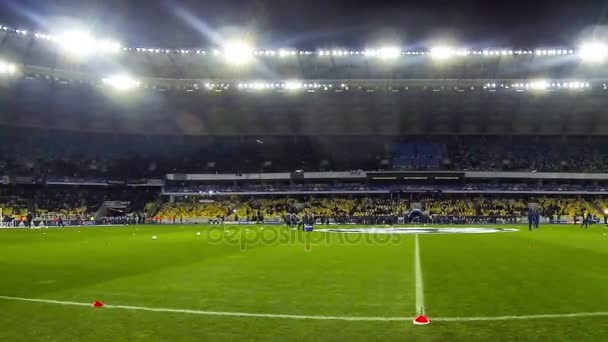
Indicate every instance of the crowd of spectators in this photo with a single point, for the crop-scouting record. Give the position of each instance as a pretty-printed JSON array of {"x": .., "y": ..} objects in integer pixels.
[
  {"x": 79, "y": 203},
  {"x": 577, "y": 155},
  {"x": 235, "y": 208},
  {"x": 43, "y": 154},
  {"x": 69, "y": 203}
]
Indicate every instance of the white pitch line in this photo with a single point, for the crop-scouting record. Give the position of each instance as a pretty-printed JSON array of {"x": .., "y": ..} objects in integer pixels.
[
  {"x": 522, "y": 317},
  {"x": 419, "y": 284},
  {"x": 208, "y": 313},
  {"x": 304, "y": 317}
]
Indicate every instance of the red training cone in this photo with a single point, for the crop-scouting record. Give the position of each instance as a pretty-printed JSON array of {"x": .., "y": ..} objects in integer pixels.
[
  {"x": 98, "y": 304},
  {"x": 421, "y": 320}
]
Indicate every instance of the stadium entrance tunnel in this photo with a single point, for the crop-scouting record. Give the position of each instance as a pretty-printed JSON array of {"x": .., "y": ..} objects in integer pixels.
[{"x": 401, "y": 230}]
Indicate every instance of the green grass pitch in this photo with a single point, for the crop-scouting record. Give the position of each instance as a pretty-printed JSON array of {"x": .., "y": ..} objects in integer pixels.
[{"x": 269, "y": 270}]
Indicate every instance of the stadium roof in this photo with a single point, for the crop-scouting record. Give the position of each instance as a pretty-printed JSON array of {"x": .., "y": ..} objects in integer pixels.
[
  {"x": 312, "y": 24},
  {"x": 554, "y": 86},
  {"x": 240, "y": 63},
  {"x": 369, "y": 107},
  {"x": 236, "y": 57},
  {"x": 85, "y": 41}
]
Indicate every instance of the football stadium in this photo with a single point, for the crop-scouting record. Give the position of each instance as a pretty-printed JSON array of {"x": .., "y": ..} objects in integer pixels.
[{"x": 245, "y": 191}]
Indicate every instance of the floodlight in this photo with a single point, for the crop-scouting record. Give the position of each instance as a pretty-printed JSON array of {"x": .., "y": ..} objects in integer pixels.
[
  {"x": 285, "y": 53},
  {"x": 82, "y": 43},
  {"x": 388, "y": 52},
  {"x": 121, "y": 82},
  {"x": 77, "y": 43},
  {"x": 539, "y": 85},
  {"x": 238, "y": 53},
  {"x": 593, "y": 52},
  {"x": 442, "y": 52},
  {"x": 7, "y": 68},
  {"x": 293, "y": 85}
]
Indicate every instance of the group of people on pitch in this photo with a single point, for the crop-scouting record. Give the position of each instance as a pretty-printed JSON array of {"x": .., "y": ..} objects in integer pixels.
[
  {"x": 293, "y": 221},
  {"x": 533, "y": 219},
  {"x": 587, "y": 219}
]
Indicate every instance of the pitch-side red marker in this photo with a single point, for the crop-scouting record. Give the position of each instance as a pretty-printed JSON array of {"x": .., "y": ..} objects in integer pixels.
[
  {"x": 98, "y": 304},
  {"x": 422, "y": 320}
]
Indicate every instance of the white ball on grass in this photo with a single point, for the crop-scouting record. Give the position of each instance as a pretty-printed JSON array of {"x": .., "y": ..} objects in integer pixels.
[
  {"x": 155, "y": 237},
  {"x": 198, "y": 233}
]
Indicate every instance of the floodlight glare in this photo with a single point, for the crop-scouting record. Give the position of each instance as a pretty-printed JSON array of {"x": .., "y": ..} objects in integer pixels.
[
  {"x": 121, "y": 82},
  {"x": 108, "y": 46},
  {"x": 286, "y": 53},
  {"x": 77, "y": 43},
  {"x": 388, "y": 52},
  {"x": 293, "y": 85},
  {"x": 258, "y": 85},
  {"x": 7, "y": 68},
  {"x": 442, "y": 52},
  {"x": 238, "y": 53},
  {"x": 82, "y": 43},
  {"x": 539, "y": 85},
  {"x": 593, "y": 52}
]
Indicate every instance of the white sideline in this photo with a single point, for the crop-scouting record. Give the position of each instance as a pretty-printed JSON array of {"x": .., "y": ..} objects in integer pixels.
[
  {"x": 207, "y": 313},
  {"x": 522, "y": 317},
  {"x": 334, "y": 318},
  {"x": 419, "y": 284}
]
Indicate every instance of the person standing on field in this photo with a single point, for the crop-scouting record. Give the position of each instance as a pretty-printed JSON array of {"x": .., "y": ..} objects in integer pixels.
[{"x": 585, "y": 221}]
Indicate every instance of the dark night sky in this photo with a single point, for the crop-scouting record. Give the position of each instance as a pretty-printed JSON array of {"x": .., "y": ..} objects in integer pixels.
[{"x": 330, "y": 23}]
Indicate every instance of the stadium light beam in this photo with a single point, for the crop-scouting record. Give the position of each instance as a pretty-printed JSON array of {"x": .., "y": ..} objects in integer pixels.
[
  {"x": 82, "y": 44},
  {"x": 108, "y": 46},
  {"x": 77, "y": 43},
  {"x": 539, "y": 85},
  {"x": 442, "y": 52},
  {"x": 388, "y": 52},
  {"x": 121, "y": 82},
  {"x": 593, "y": 52},
  {"x": 293, "y": 85},
  {"x": 7, "y": 68},
  {"x": 238, "y": 53}
]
